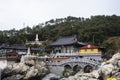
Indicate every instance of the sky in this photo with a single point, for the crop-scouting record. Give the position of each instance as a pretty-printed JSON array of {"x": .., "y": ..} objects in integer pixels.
[{"x": 21, "y": 13}]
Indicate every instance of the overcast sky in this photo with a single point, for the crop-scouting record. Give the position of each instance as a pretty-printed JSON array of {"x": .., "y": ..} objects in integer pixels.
[{"x": 13, "y": 13}]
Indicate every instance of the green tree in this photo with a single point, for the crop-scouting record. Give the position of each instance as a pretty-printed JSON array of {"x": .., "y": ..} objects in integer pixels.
[{"x": 112, "y": 45}]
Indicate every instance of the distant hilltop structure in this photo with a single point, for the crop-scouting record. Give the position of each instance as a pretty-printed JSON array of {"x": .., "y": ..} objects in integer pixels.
[{"x": 35, "y": 42}]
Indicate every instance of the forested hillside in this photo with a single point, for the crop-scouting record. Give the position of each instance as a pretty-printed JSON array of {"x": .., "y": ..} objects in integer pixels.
[{"x": 95, "y": 29}]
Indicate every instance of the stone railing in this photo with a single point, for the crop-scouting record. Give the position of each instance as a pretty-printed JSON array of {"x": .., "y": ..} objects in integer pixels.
[
  {"x": 71, "y": 54},
  {"x": 72, "y": 60}
]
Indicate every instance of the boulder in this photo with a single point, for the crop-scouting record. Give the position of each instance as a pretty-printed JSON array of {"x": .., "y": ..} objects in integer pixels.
[
  {"x": 27, "y": 69},
  {"x": 110, "y": 68},
  {"x": 31, "y": 73}
]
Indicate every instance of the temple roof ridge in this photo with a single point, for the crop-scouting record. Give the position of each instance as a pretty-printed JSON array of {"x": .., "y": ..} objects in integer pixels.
[{"x": 66, "y": 40}]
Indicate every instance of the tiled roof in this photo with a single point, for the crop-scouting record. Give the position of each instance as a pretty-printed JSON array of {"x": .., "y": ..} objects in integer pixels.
[
  {"x": 66, "y": 41},
  {"x": 12, "y": 53},
  {"x": 89, "y": 47},
  {"x": 19, "y": 47},
  {"x": 37, "y": 49},
  {"x": 13, "y": 47},
  {"x": 82, "y": 43}
]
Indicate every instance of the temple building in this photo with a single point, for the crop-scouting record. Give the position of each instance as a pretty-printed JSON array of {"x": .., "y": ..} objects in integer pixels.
[
  {"x": 68, "y": 44},
  {"x": 89, "y": 49},
  {"x": 17, "y": 49},
  {"x": 69, "y": 47}
]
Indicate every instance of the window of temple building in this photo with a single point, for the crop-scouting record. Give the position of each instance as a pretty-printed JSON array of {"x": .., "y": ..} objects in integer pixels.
[
  {"x": 85, "y": 50},
  {"x": 92, "y": 49},
  {"x": 59, "y": 51}
]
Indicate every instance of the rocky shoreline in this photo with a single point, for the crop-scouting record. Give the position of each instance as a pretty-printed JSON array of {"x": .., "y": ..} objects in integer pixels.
[
  {"x": 108, "y": 69},
  {"x": 28, "y": 69},
  {"x": 31, "y": 69}
]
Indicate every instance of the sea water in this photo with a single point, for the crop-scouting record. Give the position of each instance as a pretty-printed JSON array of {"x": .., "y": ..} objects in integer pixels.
[{"x": 49, "y": 76}]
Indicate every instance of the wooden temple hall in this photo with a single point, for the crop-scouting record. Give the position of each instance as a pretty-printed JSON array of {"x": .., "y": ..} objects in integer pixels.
[{"x": 71, "y": 45}]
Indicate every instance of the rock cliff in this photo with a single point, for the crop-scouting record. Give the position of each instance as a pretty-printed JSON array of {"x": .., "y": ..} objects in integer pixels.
[
  {"x": 110, "y": 68},
  {"x": 27, "y": 69}
]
